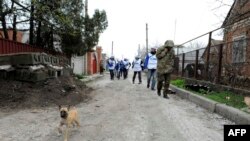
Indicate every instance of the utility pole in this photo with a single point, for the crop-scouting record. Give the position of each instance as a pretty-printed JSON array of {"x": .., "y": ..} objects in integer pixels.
[
  {"x": 174, "y": 37},
  {"x": 146, "y": 38},
  {"x": 86, "y": 8},
  {"x": 112, "y": 48},
  {"x": 139, "y": 49}
]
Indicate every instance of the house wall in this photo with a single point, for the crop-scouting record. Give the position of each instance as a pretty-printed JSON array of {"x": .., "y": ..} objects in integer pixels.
[
  {"x": 89, "y": 63},
  {"x": 78, "y": 64},
  {"x": 99, "y": 57},
  {"x": 227, "y": 51},
  {"x": 239, "y": 28}
]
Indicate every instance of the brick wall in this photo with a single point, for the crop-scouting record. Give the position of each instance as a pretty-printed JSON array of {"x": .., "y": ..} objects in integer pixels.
[
  {"x": 238, "y": 28},
  {"x": 19, "y": 35},
  {"x": 89, "y": 63},
  {"x": 99, "y": 57},
  {"x": 94, "y": 60}
]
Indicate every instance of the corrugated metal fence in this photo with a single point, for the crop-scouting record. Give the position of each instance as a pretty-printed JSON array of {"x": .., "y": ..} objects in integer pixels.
[{"x": 12, "y": 47}]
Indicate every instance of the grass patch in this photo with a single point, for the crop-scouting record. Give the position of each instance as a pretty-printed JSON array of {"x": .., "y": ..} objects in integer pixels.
[
  {"x": 178, "y": 82},
  {"x": 225, "y": 97},
  {"x": 228, "y": 98}
]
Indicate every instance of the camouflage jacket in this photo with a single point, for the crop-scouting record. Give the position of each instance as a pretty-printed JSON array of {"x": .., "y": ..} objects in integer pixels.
[{"x": 165, "y": 60}]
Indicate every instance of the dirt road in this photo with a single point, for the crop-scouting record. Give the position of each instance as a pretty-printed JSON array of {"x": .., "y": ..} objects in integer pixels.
[{"x": 119, "y": 111}]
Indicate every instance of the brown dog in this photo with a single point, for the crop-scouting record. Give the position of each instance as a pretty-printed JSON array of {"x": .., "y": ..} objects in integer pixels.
[{"x": 69, "y": 118}]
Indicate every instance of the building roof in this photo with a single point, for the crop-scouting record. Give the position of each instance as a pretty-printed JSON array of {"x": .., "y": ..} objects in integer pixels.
[
  {"x": 213, "y": 48},
  {"x": 228, "y": 15},
  {"x": 238, "y": 11}
]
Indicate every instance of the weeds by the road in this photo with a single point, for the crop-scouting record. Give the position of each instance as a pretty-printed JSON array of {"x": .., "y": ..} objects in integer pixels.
[
  {"x": 78, "y": 76},
  {"x": 178, "y": 82},
  {"x": 228, "y": 98}
]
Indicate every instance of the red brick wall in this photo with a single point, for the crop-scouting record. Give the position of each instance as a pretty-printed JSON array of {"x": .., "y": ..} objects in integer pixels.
[
  {"x": 19, "y": 35},
  {"x": 227, "y": 53},
  {"x": 237, "y": 29},
  {"x": 99, "y": 57},
  {"x": 89, "y": 63}
]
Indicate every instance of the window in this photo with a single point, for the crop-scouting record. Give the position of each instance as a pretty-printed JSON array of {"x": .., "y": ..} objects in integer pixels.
[{"x": 239, "y": 49}]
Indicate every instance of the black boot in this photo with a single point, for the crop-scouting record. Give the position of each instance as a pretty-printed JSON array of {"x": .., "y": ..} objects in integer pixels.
[
  {"x": 159, "y": 92},
  {"x": 166, "y": 96},
  {"x": 148, "y": 84}
]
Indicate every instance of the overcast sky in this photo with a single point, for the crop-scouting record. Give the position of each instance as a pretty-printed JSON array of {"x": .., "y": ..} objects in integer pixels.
[{"x": 178, "y": 20}]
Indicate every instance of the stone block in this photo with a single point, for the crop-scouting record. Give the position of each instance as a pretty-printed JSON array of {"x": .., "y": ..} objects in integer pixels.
[
  {"x": 27, "y": 59},
  {"x": 54, "y": 61},
  {"x": 5, "y": 60},
  {"x": 46, "y": 59}
]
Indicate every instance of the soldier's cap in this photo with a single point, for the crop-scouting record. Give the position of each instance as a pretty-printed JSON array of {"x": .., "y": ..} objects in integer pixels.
[{"x": 169, "y": 44}]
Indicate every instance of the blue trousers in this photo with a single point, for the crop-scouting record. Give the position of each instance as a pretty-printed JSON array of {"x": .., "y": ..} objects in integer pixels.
[{"x": 151, "y": 75}]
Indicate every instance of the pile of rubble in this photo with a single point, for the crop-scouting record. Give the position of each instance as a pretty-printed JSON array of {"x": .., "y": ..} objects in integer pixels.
[{"x": 38, "y": 80}]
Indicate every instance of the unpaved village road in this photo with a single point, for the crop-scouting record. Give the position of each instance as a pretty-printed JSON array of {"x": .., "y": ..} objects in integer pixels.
[{"x": 119, "y": 111}]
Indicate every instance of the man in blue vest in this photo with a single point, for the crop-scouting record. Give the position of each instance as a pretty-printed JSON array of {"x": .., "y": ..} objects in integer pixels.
[
  {"x": 127, "y": 65},
  {"x": 137, "y": 67},
  {"x": 117, "y": 69},
  {"x": 111, "y": 65},
  {"x": 151, "y": 64}
]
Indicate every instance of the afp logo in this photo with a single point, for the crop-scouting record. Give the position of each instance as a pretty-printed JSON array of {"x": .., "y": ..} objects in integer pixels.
[{"x": 236, "y": 132}]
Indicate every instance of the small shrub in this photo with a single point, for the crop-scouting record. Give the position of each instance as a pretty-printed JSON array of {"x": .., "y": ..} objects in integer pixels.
[{"x": 79, "y": 76}]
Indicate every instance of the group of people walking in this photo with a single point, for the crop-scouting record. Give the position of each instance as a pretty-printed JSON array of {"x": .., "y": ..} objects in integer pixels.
[
  {"x": 118, "y": 68},
  {"x": 158, "y": 62}
]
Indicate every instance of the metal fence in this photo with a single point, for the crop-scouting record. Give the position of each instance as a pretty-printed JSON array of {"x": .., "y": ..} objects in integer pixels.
[
  {"x": 12, "y": 47},
  {"x": 225, "y": 61}
]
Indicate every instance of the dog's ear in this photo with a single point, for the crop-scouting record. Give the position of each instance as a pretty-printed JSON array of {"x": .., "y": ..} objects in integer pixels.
[
  {"x": 68, "y": 107},
  {"x": 59, "y": 106}
]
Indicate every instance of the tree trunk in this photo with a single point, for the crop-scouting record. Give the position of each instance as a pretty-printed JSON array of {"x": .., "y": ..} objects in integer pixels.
[
  {"x": 5, "y": 31},
  {"x": 38, "y": 36},
  {"x": 31, "y": 22},
  {"x": 2, "y": 18},
  {"x": 14, "y": 29}
]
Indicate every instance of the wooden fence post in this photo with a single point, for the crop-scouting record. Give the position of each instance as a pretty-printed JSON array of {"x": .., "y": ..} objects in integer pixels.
[
  {"x": 219, "y": 64},
  {"x": 208, "y": 55},
  {"x": 183, "y": 65},
  {"x": 196, "y": 64}
]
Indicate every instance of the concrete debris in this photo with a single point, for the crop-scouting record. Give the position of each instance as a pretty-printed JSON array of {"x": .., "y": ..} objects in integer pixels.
[
  {"x": 6, "y": 67},
  {"x": 56, "y": 67},
  {"x": 36, "y": 67}
]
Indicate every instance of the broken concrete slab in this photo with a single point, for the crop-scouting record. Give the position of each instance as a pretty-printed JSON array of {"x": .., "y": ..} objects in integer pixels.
[{"x": 26, "y": 59}]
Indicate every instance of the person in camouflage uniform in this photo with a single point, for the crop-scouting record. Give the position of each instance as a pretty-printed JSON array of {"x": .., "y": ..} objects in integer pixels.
[{"x": 165, "y": 63}]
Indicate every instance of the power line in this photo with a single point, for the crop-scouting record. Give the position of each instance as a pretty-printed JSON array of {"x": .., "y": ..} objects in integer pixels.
[
  {"x": 216, "y": 29},
  {"x": 147, "y": 38}
]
